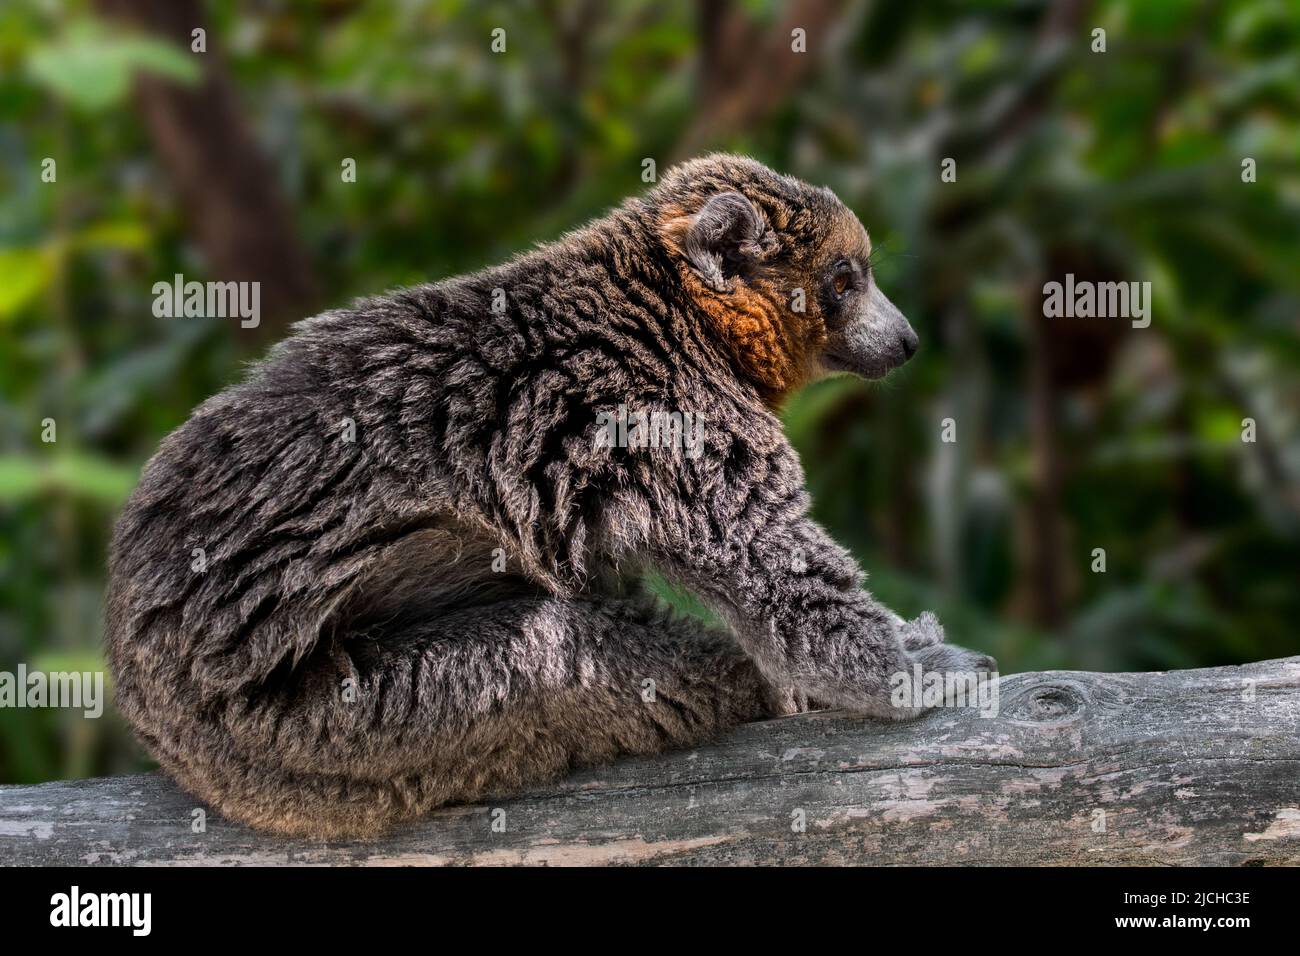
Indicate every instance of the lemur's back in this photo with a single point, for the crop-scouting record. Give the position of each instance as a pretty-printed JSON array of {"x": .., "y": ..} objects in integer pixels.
[{"x": 373, "y": 440}]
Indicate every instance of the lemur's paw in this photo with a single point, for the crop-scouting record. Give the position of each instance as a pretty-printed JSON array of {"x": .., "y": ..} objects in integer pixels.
[
  {"x": 938, "y": 663},
  {"x": 922, "y": 631},
  {"x": 949, "y": 658}
]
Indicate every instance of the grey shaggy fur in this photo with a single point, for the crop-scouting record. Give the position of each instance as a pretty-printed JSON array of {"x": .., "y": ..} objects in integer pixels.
[{"x": 350, "y": 653}]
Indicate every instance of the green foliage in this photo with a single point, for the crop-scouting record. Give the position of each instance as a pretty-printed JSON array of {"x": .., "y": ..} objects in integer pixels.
[
  {"x": 91, "y": 67},
  {"x": 76, "y": 475},
  {"x": 24, "y": 275}
]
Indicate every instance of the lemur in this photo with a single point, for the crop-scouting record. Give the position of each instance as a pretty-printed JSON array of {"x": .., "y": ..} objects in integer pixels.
[{"x": 413, "y": 550}]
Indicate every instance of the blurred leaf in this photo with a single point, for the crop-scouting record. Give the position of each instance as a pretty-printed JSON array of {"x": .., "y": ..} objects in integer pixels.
[
  {"x": 78, "y": 474},
  {"x": 804, "y": 410},
  {"x": 74, "y": 660},
  {"x": 91, "y": 67},
  {"x": 24, "y": 275},
  {"x": 121, "y": 234}
]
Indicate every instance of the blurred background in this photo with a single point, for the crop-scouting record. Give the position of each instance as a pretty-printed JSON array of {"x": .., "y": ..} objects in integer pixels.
[{"x": 1072, "y": 435}]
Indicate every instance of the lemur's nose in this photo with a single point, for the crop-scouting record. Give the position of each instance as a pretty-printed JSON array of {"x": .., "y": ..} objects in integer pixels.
[{"x": 911, "y": 342}]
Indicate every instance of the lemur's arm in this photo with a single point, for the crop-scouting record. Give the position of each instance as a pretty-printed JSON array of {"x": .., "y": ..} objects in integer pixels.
[{"x": 744, "y": 542}]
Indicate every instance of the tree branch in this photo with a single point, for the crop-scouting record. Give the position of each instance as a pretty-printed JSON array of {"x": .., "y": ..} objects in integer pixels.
[{"x": 1187, "y": 767}]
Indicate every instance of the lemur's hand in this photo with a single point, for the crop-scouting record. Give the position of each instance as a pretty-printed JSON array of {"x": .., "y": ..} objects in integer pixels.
[
  {"x": 923, "y": 640},
  {"x": 922, "y": 637},
  {"x": 921, "y": 631},
  {"x": 951, "y": 659}
]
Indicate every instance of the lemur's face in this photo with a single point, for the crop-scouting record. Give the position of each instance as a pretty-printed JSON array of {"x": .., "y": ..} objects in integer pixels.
[
  {"x": 782, "y": 272},
  {"x": 865, "y": 333}
]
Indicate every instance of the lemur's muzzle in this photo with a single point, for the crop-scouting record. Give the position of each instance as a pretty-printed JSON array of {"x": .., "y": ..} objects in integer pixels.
[{"x": 875, "y": 341}]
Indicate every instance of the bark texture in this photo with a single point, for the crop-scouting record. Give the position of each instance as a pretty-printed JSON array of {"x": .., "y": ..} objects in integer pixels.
[{"x": 1189, "y": 767}]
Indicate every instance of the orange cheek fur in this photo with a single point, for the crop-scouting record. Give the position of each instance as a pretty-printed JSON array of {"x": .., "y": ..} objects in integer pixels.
[{"x": 774, "y": 345}]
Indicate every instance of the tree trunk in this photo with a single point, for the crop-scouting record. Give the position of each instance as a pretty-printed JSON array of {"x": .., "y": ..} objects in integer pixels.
[
  {"x": 226, "y": 185},
  {"x": 745, "y": 70}
]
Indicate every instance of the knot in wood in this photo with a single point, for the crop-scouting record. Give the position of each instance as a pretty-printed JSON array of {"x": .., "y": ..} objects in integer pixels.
[{"x": 1048, "y": 702}]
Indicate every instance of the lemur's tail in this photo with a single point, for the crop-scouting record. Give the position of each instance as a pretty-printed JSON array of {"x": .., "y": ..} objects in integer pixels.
[{"x": 382, "y": 726}]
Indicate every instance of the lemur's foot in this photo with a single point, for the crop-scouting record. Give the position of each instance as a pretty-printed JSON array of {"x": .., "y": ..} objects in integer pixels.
[{"x": 783, "y": 701}]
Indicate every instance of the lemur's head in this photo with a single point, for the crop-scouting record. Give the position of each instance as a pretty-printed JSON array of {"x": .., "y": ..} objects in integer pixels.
[{"x": 781, "y": 271}]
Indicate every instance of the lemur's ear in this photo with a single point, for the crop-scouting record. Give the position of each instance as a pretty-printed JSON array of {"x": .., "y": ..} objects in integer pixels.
[{"x": 723, "y": 238}]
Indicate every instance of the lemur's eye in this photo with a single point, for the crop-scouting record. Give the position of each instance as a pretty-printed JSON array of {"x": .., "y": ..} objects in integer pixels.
[{"x": 841, "y": 279}]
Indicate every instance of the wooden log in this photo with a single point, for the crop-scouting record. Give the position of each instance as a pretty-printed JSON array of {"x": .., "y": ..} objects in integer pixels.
[{"x": 1188, "y": 767}]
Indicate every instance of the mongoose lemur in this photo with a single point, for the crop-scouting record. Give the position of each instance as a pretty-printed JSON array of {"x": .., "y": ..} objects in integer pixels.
[{"x": 389, "y": 570}]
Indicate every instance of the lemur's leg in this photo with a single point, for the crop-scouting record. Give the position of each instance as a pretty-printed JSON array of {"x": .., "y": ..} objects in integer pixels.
[{"x": 480, "y": 702}]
